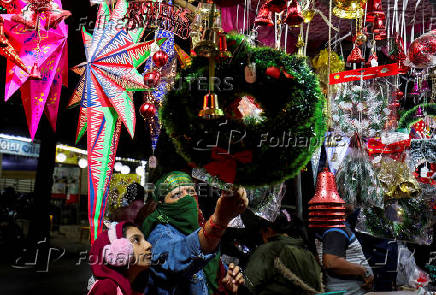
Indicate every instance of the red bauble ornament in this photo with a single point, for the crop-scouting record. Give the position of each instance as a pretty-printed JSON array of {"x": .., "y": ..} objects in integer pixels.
[
  {"x": 276, "y": 5},
  {"x": 326, "y": 191},
  {"x": 294, "y": 17},
  {"x": 264, "y": 17},
  {"x": 160, "y": 58},
  {"x": 273, "y": 72},
  {"x": 147, "y": 110},
  {"x": 422, "y": 51},
  {"x": 151, "y": 79},
  {"x": 355, "y": 56}
]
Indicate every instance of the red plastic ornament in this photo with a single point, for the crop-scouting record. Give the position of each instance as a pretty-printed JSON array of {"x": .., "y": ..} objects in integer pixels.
[
  {"x": 35, "y": 73},
  {"x": 422, "y": 51},
  {"x": 276, "y": 5},
  {"x": 160, "y": 58},
  {"x": 264, "y": 17},
  {"x": 326, "y": 191},
  {"x": 273, "y": 72},
  {"x": 147, "y": 110},
  {"x": 375, "y": 9},
  {"x": 355, "y": 56},
  {"x": 151, "y": 79},
  {"x": 379, "y": 29},
  {"x": 294, "y": 17}
]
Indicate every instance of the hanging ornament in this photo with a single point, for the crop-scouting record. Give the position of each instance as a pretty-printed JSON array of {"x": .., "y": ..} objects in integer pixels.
[
  {"x": 372, "y": 59},
  {"x": 211, "y": 109},
  {"x": 152, "y": 162},
  {"x": 422, "y": 51},
  {"x": 355, "y": 56},
  {"x": 250, "y": 73},
  {"x": 419, "y": 113},
  {"x": 379, "y": 28},
  {"x": 3, "y": 40},
  {"x": 224, "y": 53},
  {"x": 375, "y": 9},
  {"x": 360, "y": 38},
  {"x": 308, "y": 15},
  {"x": 424, "y": 87},
  {"x": 294, "y": 16},
  {"x": 349, "y": 9},
  {"x": 35, "y": 73},
  {"x": 8, "y": 51},
  {"x": 397, "y": 52},
  {"x": 273, "y": 72},
  {"x": 415, "y": 93},
  {"x": 147, "y": 110},
  {"x": 264, "y": 17},
  {"x": 276, "y": 6},
  {"x": 160, "y": 58},
  {"x": 151, "y": 79},
  {"x": 300, "y": 45}
]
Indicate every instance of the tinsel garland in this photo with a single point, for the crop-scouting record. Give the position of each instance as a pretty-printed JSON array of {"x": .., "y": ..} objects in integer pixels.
[
  {"x": 292, "y": 110},
  {"x": 413, "y": 224},
  {"x": 361, "y": 110},
  {"x": 409, "y": 118}
]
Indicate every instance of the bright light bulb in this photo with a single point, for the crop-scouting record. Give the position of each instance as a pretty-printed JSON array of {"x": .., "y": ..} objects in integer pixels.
[
  {"x": 139, "y": 170},
  {"x": 125, "y": 169},
  {"x": 83, "y": 163},
  {"x": 118, "y": 166},
  {"x": 61, "y": 157}
]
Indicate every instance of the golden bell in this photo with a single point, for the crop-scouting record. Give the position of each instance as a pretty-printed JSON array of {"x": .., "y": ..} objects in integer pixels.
[
  {"x": 211, "y": 108},
  {"x": 349, "y": 9},
  {"x": 35, "y": 74},
  {"x": 308, "y": 15}
]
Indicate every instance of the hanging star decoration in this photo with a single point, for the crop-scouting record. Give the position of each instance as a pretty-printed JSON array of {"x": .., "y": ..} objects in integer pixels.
[
  {"x": 107, "y": 77},
  {"x": 45, "y": 52}
]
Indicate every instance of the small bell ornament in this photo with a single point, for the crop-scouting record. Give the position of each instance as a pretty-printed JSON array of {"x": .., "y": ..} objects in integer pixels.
[
  {"x": 264, "y": 17},
  {"x": 211, "y": 108},
  {"x": 424, "y": 87},
  {"x": 294, "y": 17},
  {"x": 35, "y": 73},
  {"x": 276, "y": 5},
  {"x": 416, "y": 92},
  {"x": 355, "y": 56},
  {"x": 375, "y": 8},
  {"x": 360, "y": 38},
  {"x": 419, "y": 113},
  {"x": 222, "y": 47},
  {"x": 379, "y": 29}
]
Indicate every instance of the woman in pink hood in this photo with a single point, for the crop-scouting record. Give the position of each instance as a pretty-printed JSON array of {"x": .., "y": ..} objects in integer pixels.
[{"x": 118, "y": 257}]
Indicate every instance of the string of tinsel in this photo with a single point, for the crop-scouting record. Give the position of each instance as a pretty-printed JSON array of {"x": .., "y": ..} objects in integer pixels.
[{"x": 292, "y": 104}]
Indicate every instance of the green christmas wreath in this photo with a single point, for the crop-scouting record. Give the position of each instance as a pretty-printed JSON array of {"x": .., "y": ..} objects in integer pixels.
[{"x": 264, "y": 147}]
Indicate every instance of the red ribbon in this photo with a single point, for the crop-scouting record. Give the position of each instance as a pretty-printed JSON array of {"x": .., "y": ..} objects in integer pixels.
[
  {"x": 224, "y": 164},
  {"x": 375, "y": 146},
  {"x": 364, "y": 74}
]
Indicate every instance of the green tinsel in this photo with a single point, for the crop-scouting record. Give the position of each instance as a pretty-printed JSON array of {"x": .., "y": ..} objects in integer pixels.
[
  {"x": 292, "y": 108},
  {"x": 409, "y": 118}
]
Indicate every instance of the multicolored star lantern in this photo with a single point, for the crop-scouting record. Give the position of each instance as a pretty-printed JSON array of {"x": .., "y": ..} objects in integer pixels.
[
  {"x": 46, "y": 48},
  {"x": 112, "y": 55}
]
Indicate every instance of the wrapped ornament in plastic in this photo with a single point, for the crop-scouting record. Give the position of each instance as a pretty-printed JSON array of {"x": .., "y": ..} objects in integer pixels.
[
  {"x": 320, "y": 64},
  {"x": 356, "y": 178},
  {"x": 397, "y": 180},
  {"x": 403, "y": 219},
  {"x": 422, "y": 160},
  {"x": 422, "y": 51}
]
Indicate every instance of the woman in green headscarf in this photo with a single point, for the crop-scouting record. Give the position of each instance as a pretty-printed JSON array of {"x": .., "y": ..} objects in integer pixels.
[{"x": 185, "y": 256}]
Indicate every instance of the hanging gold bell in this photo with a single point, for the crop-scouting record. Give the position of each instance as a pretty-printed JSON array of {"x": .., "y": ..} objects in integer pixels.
[
  {"x": 35, "y": 74},
  {"x": 308, "y": 15},
  {"x": 349, "y": 9},
  {"x": 211, "y": 108}
]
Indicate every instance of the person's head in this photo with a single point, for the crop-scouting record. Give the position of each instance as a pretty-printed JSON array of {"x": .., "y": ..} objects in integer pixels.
[
  {"x": 282, "y": 225},
  {"x": 173, "y": 187}
]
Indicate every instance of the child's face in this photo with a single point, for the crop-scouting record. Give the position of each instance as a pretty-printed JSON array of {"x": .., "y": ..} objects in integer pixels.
[{"x": 141, "y": 247}]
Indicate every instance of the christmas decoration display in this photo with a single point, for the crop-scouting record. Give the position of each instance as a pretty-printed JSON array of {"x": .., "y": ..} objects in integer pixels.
[
  {"x": 422, "y": 51},
  {"x": 295, "y": 111},
  {"x": 326, "y": 207},
  {"x": 409, "y": 118},
  {"x": 113, "y": 55},
  {"x": 356, "y": 178},
  {"x": 359, "y": 110},
  {"x": 423, "y": 162},
  {"x": 404, "y": 219},
  {"x": 45, "y": 59},
  {"x": 397, "y": 180}
]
